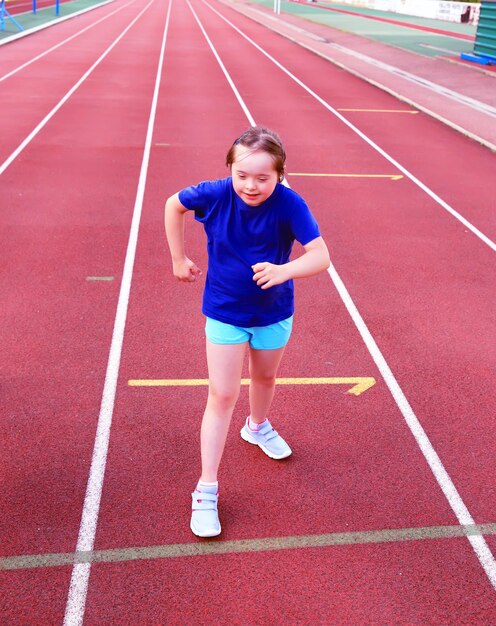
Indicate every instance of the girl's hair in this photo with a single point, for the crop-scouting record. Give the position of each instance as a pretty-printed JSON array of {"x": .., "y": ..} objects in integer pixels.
[{"x": 265, "y": 140}]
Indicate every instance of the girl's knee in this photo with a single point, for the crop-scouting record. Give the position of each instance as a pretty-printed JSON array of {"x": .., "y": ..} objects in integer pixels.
[
  {"x": 267, "y": 379},
  {"x": 222, "y": 399}
]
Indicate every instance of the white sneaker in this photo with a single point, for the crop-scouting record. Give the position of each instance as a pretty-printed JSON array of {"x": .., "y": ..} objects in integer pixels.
[
  {"x": 205, "y": 518},
  {"x": 267, "y": 439}
]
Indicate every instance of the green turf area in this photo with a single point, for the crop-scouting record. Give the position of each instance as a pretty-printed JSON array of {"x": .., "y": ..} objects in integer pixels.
[
  {"x": 44, "y": 16},
  {"x": 467, "y": 29},
  {"x": 422, "y": 42}
]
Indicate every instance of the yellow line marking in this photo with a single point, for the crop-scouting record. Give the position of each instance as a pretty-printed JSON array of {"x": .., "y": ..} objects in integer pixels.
[
  {"x": 390, "y": 176},
  {"x": 360, "y": 383},
  {"x": 381, "y": 111},
  {"x": 237, "y": 546}
]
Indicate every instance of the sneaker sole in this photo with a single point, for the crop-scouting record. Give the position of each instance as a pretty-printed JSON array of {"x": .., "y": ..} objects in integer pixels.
[
  {"x": 212, "y": 532},
  {"x": 277, "y": 457}
]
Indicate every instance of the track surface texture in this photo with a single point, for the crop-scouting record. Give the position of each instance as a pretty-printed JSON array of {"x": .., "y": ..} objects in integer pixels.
[{"x": 385, "y": 512}]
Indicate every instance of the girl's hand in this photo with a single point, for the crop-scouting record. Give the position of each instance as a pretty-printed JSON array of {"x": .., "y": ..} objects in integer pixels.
[
  {"x": 185, "y": 270},
  {"x": 267, "y": 275}
]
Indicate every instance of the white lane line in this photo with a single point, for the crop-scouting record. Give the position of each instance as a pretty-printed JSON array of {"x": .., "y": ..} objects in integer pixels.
[
  {"x": 57, "y": 20},
  {"x": 362, "y": 135},
  {"x": 444, "y": 91},
  {"x": 223, "y": 68},
  {"x": 481, "y": 548},
  {"x": 430, "y": 47},
  {"x": 40, "y": 56},
  {"x": 76, "y": 601},
  {"x": 442, "y": 477},
  {"x": 71, "y": 91}
]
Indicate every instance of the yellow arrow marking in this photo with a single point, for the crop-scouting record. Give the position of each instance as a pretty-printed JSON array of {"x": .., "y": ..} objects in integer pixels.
[
  {"x": 360, "y": 383},
  {"x": 390, "y": 176},
  {"x": 381, "y": 111}
]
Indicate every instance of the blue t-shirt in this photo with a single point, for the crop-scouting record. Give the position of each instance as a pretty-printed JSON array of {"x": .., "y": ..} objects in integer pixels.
[{"x": 239, "y": 236}]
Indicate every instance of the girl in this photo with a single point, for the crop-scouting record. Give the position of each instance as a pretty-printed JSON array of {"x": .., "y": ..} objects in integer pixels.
[{"x": 251, "y": 221}]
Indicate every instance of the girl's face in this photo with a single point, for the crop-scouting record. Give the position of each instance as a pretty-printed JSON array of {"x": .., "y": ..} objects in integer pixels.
[{"x": 253, "y": 174}]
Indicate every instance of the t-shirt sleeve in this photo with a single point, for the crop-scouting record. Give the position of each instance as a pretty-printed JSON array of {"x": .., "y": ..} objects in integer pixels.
[
  {"x": 202, "y": 197},
  {"x": 301, "y": 221}
]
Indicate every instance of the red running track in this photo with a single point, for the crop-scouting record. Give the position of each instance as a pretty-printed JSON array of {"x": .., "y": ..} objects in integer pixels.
[{"x": 421, "y": 281}]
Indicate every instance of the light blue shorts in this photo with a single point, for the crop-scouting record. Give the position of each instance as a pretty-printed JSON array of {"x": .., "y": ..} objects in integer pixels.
[{"x": 270, "y": 337}]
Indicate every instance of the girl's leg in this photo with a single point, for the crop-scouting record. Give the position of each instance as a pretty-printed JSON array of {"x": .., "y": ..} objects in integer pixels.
[
  {"x": 263, "y": 371},
  {"x": 225, "y": 364}
]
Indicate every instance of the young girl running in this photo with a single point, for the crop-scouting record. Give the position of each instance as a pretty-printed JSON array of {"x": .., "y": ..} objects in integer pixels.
[{"x": 251, "y": 221}]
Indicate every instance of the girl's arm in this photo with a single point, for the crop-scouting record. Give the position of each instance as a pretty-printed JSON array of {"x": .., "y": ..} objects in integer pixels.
[
  {"x": 183, "y": 268},
  {"x": 314, "y": 260}
]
